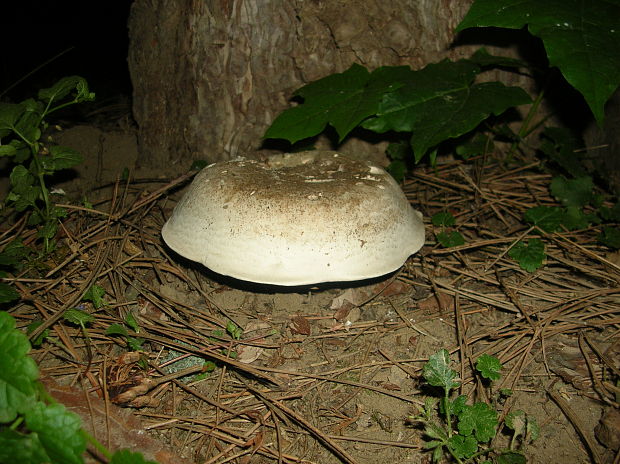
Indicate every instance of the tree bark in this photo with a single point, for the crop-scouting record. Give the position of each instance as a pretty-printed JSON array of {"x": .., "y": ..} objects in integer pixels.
[{"x": 210, "y": 76}]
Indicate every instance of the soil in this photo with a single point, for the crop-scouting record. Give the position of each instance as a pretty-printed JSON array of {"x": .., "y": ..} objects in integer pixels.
[{"x": 331, "y": 374}]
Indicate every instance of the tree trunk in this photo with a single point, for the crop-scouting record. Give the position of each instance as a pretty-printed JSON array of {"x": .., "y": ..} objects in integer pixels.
[{"x": 210, "y": 76}]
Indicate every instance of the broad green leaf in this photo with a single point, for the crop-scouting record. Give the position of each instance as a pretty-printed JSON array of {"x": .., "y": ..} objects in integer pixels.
[
  {"x": 489, "y": 367},
  {"x": 573, "y": 192},
  {"x": 610, "y": 237},
  {"x": 437, "y": 371},
  {"x": 60, "y": 432},
  {"x": 28, "y": 126},
  {"x": 19, "y": 448},
  {"x": 480, "y": 420},
  {"x": 441, "y": 102},
  {"x": 18, "y": 371},
  {"x": 575, "y": 218},
  {"x": 342, "y": 100},
  {"x": 581, "y": 38},
  {"x": 61, "y": 158},
  {"x": 129, "y": 457},
  {"x": 530, "y": 257},
  {"x": 443, "y": 218},
  {"x": 463, "y": 447},
  {"x": 548, "y": 218},
  {"x": 8, "y": 293}
]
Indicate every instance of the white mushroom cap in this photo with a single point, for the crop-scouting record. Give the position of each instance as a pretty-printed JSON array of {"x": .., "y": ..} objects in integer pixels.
[{"x": 299, "y": 219}]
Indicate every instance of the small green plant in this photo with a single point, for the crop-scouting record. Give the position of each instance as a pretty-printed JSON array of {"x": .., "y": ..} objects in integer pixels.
[
  {"x": 461, "y": 430},
  {"x": 22, "y": 129},
  {"x": 447, "y": 236},
  {"x": 33, "y": 427}
]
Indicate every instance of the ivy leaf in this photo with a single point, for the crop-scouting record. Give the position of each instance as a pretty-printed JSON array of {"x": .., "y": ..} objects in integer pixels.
[
  {"x": 573, "y": 192},
  {"x": 489, "y": 367},
  {"x": 450, "y": 239},
  {"x": 59, "y": 431},
  {"x": 437, "y": 371},
  {"x": 342, "y": 100},
  {"x": 530, "y": 256},
  {"x": 479, "y": 419},
  {"x": 440, "y": 102},
  {"x": 463, "y": 447},
  {"x": 128, "y": 457},
  {"x": 580, "y": 37},
  {"x": 18, "y": 372},
  {"x": 548, "y": 218}
]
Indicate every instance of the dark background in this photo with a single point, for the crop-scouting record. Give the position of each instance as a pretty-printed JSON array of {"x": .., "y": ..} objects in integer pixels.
[{"x": 92, "y": 35}]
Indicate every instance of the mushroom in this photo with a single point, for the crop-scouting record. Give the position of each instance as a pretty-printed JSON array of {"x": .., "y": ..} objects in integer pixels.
[{"x": 296, "y": 219}]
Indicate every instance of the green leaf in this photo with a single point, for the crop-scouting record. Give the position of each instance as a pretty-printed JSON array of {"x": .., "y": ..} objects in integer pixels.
[
  {"x": 59, "y": 431},
  {"x": 78, "y": 317},
  {"x": 479, "y": 145},
  {"x": 443, "y": 218},
  {"x": 581, "y": 38},
  {"x": 398, "y": 153},
  {"x": 511, "y": 457},
  {"x": 9, "y": 115},
  {"x": 116, "y": 329},
  {"x": 485, "y": 60},
  {"x": 64, "y": 87},
  {"x": 94, "y": 294},
  {"x": 14, "y": 252},
  {"x": 61, "y": 158},
  {"x": 560, "y": 144},
  {"x": 130, "y": 320},
  {"x": 8, "y": 293},
  {"x": 18, "y": 372},
  {"x": 463, "y": 447},
  {"x": 39, "y": 338},
  {"x": 489, "y": 367},
  {"x": 21, "y": 179},
  {"x": 19, "y": 448},
  {"x": 573, "y": 192},
  {"x": 128, "y": 457},
  {"x": 450, "y": 239},
  {"x": 437, "y": 371},
  {"x": 610, "y": 236},
  {"x": 548, "y": 218},
  {"x": 611, "y": 214},
  {"x": 530, "y": 256},
  {"x": 440, "y": 102},
  {"x": 135, "y": 344},
  {"x": 342, "y": 100},
  {"x": 479, "y": 419},
  {"x": 575, "y": 218},
  {"x": 8, "y": 150}
]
